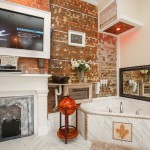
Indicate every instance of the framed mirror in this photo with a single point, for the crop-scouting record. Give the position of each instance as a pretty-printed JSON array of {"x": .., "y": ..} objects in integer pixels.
[{"x": 135, "y": 82}]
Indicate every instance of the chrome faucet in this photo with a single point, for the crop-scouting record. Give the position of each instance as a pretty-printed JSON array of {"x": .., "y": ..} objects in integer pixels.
[{"x": 121, "y": 107}]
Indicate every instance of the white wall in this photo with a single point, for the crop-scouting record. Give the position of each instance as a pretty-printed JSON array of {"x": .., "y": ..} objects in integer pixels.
[
  {"x": 129, "y": 8},
  {"x": 135, "y": 46}
]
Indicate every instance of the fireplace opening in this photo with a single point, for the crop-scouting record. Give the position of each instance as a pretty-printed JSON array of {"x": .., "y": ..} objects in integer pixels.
[
  {"x": 10, "y": 122},
  {"x": 16, "y": 117},
  {"x": 11, "y": 128}
]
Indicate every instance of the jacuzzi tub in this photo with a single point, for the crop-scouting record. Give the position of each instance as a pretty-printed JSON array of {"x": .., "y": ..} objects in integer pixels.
[
  {"x": 111, "y": 107},
  {"x": 99, "y": 123}
]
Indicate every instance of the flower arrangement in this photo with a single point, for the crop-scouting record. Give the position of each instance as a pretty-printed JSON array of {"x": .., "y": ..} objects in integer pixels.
[
  {"x": 79, "y": 65},
  {"x": 145, "y": 72}
]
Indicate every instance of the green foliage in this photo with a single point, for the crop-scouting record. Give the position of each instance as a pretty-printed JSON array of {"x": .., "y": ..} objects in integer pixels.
[
  {"x": 148, "y": 72},
  {"x": 82, "y": 67}
]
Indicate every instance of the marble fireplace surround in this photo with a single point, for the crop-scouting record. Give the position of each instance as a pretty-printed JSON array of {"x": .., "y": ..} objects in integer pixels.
[
  {"x": 9, "y": 110},
  {"x": 25, "y": 85}
]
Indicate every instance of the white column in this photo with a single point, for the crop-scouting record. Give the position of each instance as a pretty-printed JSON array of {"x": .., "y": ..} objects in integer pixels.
[{"x": 42, "y": 112}]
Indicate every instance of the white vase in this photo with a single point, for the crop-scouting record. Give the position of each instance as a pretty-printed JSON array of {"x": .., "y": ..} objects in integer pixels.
[{"x": 80, "y": 75}]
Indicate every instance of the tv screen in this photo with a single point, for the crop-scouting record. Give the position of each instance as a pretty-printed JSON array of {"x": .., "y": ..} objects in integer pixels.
[{"x": 21, "y": 31}]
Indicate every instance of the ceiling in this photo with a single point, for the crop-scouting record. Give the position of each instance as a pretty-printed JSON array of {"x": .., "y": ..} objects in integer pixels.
[{"x": 94, "y": 2}]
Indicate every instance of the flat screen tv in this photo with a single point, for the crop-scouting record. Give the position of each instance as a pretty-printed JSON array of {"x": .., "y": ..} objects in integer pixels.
[{"x": 24, "y": 31}]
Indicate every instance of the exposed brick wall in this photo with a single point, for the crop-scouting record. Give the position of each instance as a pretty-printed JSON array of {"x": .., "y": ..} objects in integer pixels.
[
  {"x": 39, "y": 4},
  {"x": 107, "y": 60},
  {"x": 31, "y": 64},
  {"x": 72, "y": 15}
]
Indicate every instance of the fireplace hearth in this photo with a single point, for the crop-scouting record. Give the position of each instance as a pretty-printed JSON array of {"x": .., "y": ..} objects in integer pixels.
[{"x": 16, "y": 117}]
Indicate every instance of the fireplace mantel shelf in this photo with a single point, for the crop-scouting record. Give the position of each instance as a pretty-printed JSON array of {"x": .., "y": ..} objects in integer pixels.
[{"x": 24, "y": 75}]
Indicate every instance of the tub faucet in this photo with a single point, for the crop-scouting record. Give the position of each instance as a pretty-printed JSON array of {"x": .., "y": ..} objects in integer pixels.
[{"x": 121, "y": 107}]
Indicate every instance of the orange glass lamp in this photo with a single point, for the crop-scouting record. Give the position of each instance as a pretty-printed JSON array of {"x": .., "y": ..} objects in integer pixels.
[{"x": 67, "y": 106}]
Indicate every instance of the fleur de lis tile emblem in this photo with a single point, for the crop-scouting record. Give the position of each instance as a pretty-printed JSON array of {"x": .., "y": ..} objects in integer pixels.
[{"x": 122, "y": 131}]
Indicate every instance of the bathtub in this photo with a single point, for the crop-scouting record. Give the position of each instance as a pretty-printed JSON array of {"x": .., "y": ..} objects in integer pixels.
[{"x": 102, "y": 120}]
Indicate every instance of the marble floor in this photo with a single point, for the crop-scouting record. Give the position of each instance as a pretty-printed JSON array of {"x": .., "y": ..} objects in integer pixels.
[{"x": 48, "y": 142}]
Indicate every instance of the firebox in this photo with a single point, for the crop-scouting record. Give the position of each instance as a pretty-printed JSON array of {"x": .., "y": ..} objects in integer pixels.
[
  {"x": 11, "y": 128},
  {"x": 16, "y": 117}
]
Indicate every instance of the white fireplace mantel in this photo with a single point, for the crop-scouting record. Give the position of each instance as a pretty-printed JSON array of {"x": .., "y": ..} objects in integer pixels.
[{"x": 13, "y": 84}]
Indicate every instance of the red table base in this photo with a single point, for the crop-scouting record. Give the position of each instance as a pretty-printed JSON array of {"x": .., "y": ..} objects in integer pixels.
[
  {"x": 71, "y": 133},
  {"x": 68, "y": 131}
]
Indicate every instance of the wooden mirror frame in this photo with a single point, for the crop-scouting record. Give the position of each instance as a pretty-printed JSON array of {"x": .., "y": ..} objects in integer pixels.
[{"x": 121, "y": 70}]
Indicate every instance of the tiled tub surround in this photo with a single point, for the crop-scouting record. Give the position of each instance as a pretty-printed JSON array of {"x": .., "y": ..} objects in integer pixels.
[{"x": 97, "y": 121}]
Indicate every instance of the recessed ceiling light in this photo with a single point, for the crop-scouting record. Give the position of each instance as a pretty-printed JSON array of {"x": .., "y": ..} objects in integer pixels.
[{"x": 118, "y": 29}]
